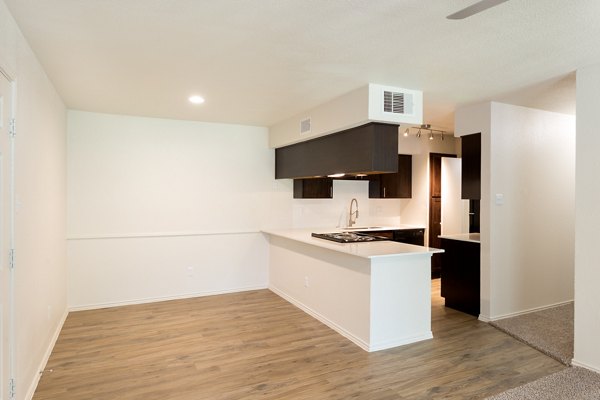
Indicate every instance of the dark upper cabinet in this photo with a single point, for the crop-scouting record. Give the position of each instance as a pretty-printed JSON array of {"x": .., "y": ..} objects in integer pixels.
[
  {"x": 471, "y": 166},
  {"x": 396, "y": 185},
  {"x": 318, "y": 188},
  {"x": 370, "y": 148}
]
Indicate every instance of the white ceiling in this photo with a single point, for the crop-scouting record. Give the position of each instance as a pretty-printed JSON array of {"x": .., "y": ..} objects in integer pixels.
[{"x": 260, "y": 61}]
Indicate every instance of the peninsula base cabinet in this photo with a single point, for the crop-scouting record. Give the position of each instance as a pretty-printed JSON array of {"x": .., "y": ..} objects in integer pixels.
[
  {"x": 460, "y": 275},
  {"x": 377, "y": 302}
]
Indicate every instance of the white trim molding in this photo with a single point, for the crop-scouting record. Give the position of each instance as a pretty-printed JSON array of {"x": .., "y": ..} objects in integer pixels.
[
  {"x": 576, "y": 363},
  {"x": 44, "y": 361},
  {"x": 359, "y": 342},
  {"x": 370, "y": 347},
  {"x": 516, "y": 314},
  {"x": 164, "y": 298},
  {"x": 137, "y": 235}
]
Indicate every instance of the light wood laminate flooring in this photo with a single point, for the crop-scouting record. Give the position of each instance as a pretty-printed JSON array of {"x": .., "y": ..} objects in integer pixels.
[{"x": 255, "y": 345}]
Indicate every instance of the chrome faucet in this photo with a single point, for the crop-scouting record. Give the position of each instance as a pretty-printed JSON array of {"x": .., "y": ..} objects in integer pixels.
[{"x": 352, "y": 221}]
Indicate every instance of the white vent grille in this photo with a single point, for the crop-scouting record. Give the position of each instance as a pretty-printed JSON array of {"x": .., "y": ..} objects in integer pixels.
[
  {"x": 393, "y": 102},
  {"x": 305, "y": 126}
]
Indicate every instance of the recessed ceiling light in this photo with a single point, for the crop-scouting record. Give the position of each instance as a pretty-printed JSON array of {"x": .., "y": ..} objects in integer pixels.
[{"x": 196, "y": 99}]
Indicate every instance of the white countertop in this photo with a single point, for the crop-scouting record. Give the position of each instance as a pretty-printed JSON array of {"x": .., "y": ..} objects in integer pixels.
[
  {"x": 465, "y": 237},
  {"x": 384, "y": 248},
  {"x": 364, "y": 228}
]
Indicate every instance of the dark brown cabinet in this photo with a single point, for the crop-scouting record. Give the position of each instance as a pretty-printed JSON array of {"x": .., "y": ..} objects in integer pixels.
[
  {"x": 471, "y": 167},
  {"x": 410, "y": 236},
  {"x": 371, "y": 148},
  {"x": 317, "y": 188},
  {"x": 396, "y": 185},
  {"x": 460, "y": 275},
  {"x": 435, "y": 208}
]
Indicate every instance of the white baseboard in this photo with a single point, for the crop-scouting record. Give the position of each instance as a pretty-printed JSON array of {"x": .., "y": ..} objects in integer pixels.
[
  {"x": 400, "y": 342},
  {"x": 516, "y": 314},
  {"x": 356, "y": 340},
  {"x": 44, "y": 360},
  {"x": 164, "y": 298},
  {"x": 484, "y": 318},
  {"x": 576, "y": 363}
]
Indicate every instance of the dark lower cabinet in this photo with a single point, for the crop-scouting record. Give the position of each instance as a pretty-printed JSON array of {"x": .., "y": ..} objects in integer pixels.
[
  {"x": 410, "y": 236},
  {"x": 396, "y": 185},
  {"x": 460, "y": 275},
  {"x": 317, "y": 188}
]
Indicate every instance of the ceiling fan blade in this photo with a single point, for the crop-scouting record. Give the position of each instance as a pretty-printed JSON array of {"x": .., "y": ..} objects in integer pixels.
[{"x": 475, "y": 8}]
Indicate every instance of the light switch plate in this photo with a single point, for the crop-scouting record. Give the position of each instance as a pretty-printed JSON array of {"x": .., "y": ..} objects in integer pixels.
[{"x": 499, "y": 199}]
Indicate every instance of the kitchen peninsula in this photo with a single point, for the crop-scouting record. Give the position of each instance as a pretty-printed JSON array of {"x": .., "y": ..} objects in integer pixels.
[{"x": 377, "y": 294}]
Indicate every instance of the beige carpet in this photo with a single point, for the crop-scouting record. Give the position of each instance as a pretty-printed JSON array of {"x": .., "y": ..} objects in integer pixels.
[
  {"x": 569, "y": 384},
  {"x": 549, "y": 331}
]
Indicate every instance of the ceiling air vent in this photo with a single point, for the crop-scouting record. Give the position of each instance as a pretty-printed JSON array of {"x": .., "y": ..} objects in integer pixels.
[
  {"x": 393, "y": 102},
  {"x": 305, "y": 126}
]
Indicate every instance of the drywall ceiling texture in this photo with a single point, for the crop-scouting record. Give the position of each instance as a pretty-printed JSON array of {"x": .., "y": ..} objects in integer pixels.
[{"x": 261, "y": 62}]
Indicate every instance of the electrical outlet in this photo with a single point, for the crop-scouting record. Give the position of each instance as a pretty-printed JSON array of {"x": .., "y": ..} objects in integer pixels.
[
  {"x": 306, "y": 281},
  {"x": 190, "y": 272}
]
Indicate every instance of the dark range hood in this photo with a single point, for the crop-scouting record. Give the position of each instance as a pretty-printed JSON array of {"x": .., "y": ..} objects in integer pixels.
[{"x": 367, "y": 149}]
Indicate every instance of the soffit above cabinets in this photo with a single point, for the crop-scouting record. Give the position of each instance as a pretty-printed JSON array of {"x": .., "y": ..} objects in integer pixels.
[{"x": 369, "y": 103}]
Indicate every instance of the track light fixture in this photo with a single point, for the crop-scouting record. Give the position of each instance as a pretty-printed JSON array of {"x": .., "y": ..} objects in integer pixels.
[{"x": 426, "y": 128}]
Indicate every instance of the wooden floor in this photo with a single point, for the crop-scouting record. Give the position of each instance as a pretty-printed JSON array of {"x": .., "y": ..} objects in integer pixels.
[{"x": 255, "y": 345}]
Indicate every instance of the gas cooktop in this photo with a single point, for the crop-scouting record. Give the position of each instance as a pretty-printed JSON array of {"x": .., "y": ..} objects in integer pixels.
[{"x": 348, "y": 237}]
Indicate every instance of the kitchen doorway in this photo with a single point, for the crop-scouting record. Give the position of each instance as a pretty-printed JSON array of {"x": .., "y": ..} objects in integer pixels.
[{"x": 435, "y": 209}]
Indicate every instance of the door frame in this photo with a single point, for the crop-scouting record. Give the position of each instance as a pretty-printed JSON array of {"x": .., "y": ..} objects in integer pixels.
[
  {"x": 436, "y": 257},
  {"x": 10, "y": 320}
]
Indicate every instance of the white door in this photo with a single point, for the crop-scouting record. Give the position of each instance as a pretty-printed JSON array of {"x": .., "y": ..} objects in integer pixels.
[
  {"x": 455, "y": 211},
  {"x": 6, "y": 105}
]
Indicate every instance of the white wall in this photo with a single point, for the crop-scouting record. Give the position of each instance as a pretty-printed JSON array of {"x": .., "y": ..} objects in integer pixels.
[
  {"x": 587, "y": 272},
  {"x": 349, "y": 110},
  {"x": 528, "y": 156},
  {"x": 41, "y": 213},
  {"x": 415, "y": 211},
  {"x": 533, "y": 167},
  {"x": 329, "y": 213},
  {"x": 455, "y": 210},
  {"x": 468, "y": 120},
  {"x": 164, "y": 209},
  {"x": 343, "y": 112}
]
